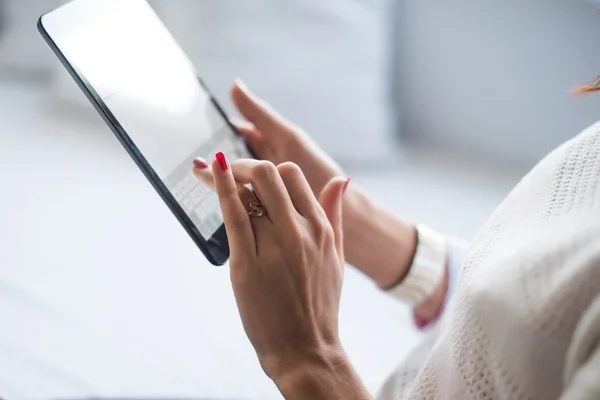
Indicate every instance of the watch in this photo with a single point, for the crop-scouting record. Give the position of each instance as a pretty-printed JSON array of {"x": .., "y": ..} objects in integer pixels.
[{"x": 426, "y": 271}]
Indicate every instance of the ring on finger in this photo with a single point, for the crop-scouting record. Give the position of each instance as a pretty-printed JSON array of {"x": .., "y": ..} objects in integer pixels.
[
  {"x": 251, "y": 202},
  {"x": 256, "y": 209}
]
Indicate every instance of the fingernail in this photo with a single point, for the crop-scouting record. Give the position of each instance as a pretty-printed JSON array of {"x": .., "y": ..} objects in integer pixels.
[
  {"x": 242, "y": 85},
  {"x": 222, "y": 161},
  {"x": 346, "y": 185},
  {"x": 199, "y": 163}
]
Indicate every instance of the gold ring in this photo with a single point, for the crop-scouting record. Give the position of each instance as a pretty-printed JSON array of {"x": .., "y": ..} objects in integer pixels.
[{"x": 256, "y": 210}]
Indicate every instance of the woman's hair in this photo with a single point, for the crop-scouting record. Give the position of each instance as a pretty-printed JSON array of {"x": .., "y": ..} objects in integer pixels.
[{"x": 593, "y": 86}]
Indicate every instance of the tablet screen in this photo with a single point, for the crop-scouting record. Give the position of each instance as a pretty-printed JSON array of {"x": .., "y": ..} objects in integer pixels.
[{"x": 146, "y": 81}]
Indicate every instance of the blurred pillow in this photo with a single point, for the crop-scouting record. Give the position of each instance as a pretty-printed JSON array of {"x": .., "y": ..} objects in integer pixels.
[{"x": 322, "y": 64}]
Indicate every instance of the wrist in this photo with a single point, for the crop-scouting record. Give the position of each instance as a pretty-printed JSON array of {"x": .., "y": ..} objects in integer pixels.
[
  {"x": 323, "y": 362},
  {"x": 327, "y": 375},
  {"x": 377, "y": 242},
  {"x": 283, "y": 367}
]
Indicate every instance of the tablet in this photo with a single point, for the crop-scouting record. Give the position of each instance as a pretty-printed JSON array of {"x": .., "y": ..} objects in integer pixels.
[{"x": 148, "y": 92}]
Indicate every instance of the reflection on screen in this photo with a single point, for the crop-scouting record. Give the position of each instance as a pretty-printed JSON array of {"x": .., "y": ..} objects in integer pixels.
[{"x": 150, "y": 86}]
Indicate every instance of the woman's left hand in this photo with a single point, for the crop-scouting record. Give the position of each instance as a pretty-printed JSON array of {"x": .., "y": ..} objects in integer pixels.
[{"x": 286, "y": 267}]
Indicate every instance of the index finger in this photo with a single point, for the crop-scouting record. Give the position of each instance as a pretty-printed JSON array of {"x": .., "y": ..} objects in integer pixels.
[
  {"x": 205, "y": 175},
  {"x": 255, "y": 110},
  {"x": 236, "y": 218},
  {"x": 269, "y": 186}
]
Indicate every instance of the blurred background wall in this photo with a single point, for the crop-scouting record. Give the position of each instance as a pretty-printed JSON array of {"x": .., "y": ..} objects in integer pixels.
[
  {"x": 324, "y": 64},
  {"x": 485, "y": 80},
  {"x": 490, "y": 79}
]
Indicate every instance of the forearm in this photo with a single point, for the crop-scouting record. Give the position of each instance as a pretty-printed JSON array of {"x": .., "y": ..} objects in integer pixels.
[
  {"x": 383, "y": 245},
  {"x": 376, "y": 241},
  {"x": 329, "y": 377}
]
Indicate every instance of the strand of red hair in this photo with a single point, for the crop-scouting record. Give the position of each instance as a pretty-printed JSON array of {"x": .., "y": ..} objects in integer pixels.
[{"x": 593, "y": 86}]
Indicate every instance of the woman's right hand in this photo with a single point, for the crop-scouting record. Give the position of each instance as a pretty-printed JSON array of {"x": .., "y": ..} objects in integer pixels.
[
  {"x": 271, "y": 137},
  {"x": 376, "y": 241}
]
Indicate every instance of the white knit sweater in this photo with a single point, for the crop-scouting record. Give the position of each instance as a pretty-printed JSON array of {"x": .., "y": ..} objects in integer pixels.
[{"x": 524, "y": 322}]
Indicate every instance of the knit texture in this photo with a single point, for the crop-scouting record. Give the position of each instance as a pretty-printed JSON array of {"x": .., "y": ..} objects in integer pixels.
[{"x": 522, "y": 323}]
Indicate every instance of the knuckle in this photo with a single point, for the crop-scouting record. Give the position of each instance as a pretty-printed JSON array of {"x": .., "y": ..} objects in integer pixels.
[
  {"x": 265, "y": 169},
  {"x": 295, "y": 235},
  {"x": 225, "y": 189},
  {"x": 230, "y": 192},
  {"x": 227, "y": 198},
  {"x": 289, "y": 169},
  {"x": 324, "y": 233},
  {"x": 240, "y": 271},
  {"x": 301, "y": 243}
]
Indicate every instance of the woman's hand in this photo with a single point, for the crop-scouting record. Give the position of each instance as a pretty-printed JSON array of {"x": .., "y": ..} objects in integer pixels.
[
  {"x": 286, "y": 271},
  {"x": 377, "y": 242},
  {"x": 276, "y": 139}
]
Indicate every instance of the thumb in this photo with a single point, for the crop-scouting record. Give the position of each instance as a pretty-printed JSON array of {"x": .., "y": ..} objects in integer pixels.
[
  {"x": 255, "y": 110},
  {"x": 331, "y": 199}
]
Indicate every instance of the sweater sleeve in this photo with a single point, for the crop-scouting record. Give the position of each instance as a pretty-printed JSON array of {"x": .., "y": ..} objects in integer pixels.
[
  {"x": 457, "y": 252},
  {"x": 583, "y": 358}
]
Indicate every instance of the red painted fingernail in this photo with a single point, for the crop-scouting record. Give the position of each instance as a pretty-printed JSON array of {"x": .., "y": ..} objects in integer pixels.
[
  {"x": 222, "y": 161},
  {"x": 199, "y": 163},
  {"x": 346, "y": 185}
]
